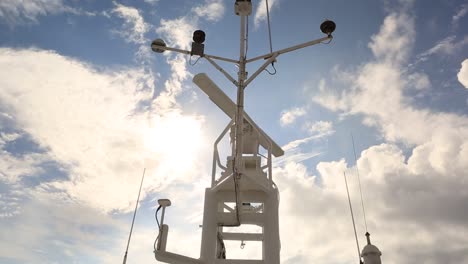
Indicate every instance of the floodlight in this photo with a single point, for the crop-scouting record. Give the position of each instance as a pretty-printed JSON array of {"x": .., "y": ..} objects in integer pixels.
[
  {"x": 199, "y": 36},
  {"x": 158, "y": 43},
  {"x": 328, "y": 27}
]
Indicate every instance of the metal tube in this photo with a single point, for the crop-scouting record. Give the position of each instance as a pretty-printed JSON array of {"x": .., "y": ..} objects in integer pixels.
[
  {"x": 270, "y": 60},
  {"x": 189, "y": 52},
  {"x": 221, "y": 70},
  {"x": 293, "y": 48},
  {"x": 221, "y": 58},
  {"x": 162, "y": 215},
  {"x": 170, "y": 49}
]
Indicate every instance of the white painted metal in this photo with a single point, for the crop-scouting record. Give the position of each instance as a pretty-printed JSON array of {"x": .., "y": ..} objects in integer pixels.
[
  {"x": 229, "y": 108},
  {"x": 370, "y": 253}
]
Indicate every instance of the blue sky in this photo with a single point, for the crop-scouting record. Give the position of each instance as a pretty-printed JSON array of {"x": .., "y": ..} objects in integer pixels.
[{"x": 85, "y": 106}]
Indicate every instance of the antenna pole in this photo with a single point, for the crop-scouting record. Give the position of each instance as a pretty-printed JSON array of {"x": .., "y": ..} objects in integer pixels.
[
  {"x": 359, "y": 180},
  {"x": 134, "y": 215},
  {"x": 352, "y": 218}
]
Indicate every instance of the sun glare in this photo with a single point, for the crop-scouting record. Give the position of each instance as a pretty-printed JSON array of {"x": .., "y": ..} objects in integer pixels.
[{"x": 176, "y": 139}]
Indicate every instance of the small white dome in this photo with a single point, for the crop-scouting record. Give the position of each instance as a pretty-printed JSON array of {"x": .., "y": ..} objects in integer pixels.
[
  {"x": 371, "y": 254},
  {"x": 370, "y": 250}
]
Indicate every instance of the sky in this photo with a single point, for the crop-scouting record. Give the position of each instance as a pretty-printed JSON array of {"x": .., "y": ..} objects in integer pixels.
[{"x": 86, "y": 106}]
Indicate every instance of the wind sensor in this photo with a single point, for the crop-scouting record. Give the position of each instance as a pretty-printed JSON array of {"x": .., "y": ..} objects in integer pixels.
[{"x": 242, "y": 192}]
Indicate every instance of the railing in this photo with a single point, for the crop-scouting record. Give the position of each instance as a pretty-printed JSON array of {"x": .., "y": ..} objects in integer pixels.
[{"x": 217, "y": 161}]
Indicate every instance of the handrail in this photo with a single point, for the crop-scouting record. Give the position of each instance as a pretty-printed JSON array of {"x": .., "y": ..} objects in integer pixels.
[{"x": 216, "y": 159}]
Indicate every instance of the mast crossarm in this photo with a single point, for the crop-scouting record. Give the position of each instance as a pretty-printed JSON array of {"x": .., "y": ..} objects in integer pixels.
[
  {"x": 163, "y": 48},
  {"x": 293, "y": 48}
]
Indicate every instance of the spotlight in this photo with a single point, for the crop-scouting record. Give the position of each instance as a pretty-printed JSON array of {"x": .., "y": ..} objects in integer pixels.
[
  {"x": 328, "y": 27},
  {"x": 158, "y": 43},
  {"x": 199, "y": 36}
]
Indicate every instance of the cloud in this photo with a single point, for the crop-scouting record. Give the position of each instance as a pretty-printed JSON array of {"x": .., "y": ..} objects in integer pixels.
[
  {"x": 133, "y": 30},
  {"x": 289, "y": 116},
  {"x": 320, "y": 128},
  {"x": 261, "y": 11},
  {"x": 447, "y": 46},
  {"x": 152, "y": 2},
  {"x": 389, "y": 45},
  {"x": 462, "y": 11},
  {"x": 53, "y": 228},
  {"x": 416, "y": 195},
  {"x": 88, "y": 122},
  {"x": 19, "y": 12},
  {"x": 14, "y": 11},
  {"x": 134, "y": 27},
  {"x": 413, "y": 183},
  {"x": 463, "y": 73},
  {"x": 212, "y": 10},
  {"x": 384, "y": 106}
]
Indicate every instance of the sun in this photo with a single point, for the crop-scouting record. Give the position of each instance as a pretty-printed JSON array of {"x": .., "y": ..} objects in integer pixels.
[{"x": 176, "y": 139}]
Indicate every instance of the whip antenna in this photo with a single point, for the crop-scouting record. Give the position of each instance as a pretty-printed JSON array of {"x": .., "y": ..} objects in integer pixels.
[
  {"x": 134, "y": 215},
  {"x": 359, "y": 180},
  {"x": 352, "y": 218},
  {"x": 269, "y": 26}
]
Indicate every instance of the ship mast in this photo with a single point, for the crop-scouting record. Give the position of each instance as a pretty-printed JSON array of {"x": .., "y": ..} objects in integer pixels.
[{"x": 246, "y": 178}]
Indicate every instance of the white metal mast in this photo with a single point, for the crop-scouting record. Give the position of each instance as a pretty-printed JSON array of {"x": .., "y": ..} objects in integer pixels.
[{"x": 246, "y": 178}]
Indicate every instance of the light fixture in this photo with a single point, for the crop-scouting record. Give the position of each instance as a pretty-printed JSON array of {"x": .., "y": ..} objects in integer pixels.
[
  {"x": 156, "y": 44},
  {"x": 327, "y": 27},
  {"x": 198, "y": 48},
  {"x": 199, "y": 36}
]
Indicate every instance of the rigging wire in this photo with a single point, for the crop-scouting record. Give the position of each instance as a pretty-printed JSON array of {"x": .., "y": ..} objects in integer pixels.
[
  {"x": 269, "y": 38},
  {"x": 193, "y": 64},
  {"x": 352, "y": 218},
  {"x": 156, "y": 216},
  {"x": 134, "y": 216},
  {"x": 159, "y": 227},
  {"x": 359, "y": 180}
]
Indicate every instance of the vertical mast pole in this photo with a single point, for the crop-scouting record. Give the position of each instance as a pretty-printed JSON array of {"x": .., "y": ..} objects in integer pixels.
[{"x": 240, "y": 100}]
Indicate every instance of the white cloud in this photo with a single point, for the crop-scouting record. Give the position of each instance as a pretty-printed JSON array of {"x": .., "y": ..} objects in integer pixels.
[
  {"x": 176, "y": 33},
  {"x": 289, "y": 116},
  {"x": 447, "y": 46},
  {"x": 133, "y": 30},
  {"x": 21, "y": 11},
  {"x": 320, "y": 128},
  {"x": 67, "y": 231},
  {"x": 87, "y": 121},
  {"x": 152, "y": 2},
  {"x": 134, "y": 27},
  {"x": 420, "y": 193},
  {"x": 409, "y": 196},
  {"x": 212, "y": 10},
  {"x": 13, "y": 168},
  {"x": 261, "y": 11},
  {"x": 388, "y": 44},
  {"x": 14, "y": 11},
  {"x": 377, "y": 90},
  {"x": 460, "y": 14},
  {"x": 463, "y": 73}
]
